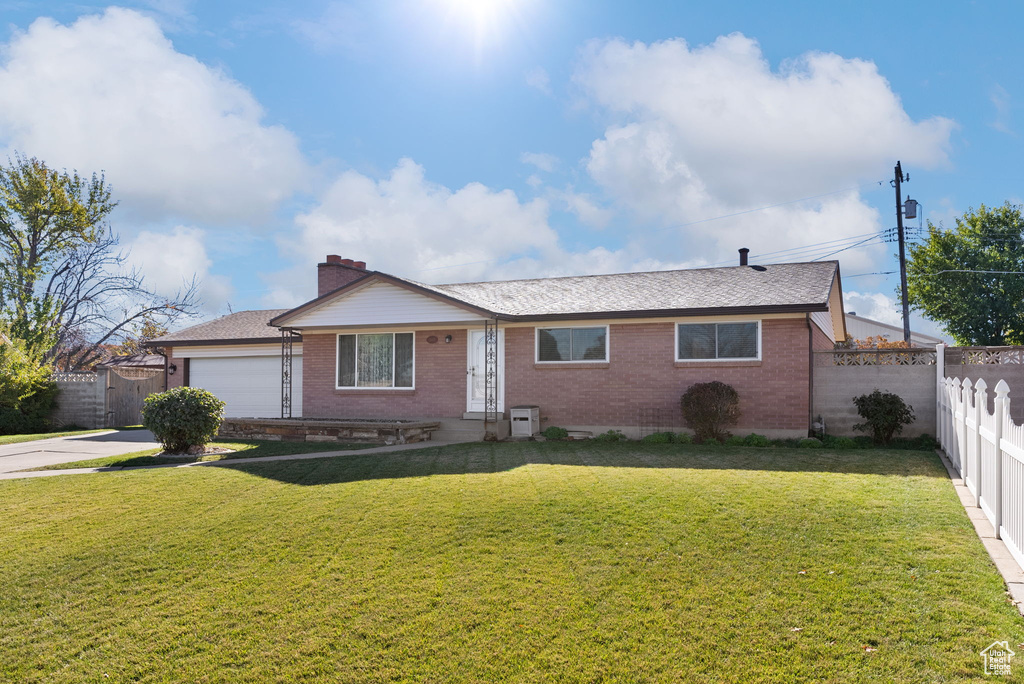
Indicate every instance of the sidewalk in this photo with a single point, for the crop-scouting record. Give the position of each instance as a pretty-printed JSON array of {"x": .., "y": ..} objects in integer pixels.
[
  {"x": 232, "y": 461},
  {"x": 1012, "y": 573},
  {"x": 55, "y": 450}
]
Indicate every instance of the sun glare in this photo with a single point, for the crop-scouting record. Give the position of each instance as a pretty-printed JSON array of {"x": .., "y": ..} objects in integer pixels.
[{"x": 485, "y": 20}]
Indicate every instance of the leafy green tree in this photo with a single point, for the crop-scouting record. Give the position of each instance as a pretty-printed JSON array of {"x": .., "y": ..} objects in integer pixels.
[
  {"x": 27, "y": 392},
  {"x": 66, "y": 290},
  {"x": 971, "y": 278}
]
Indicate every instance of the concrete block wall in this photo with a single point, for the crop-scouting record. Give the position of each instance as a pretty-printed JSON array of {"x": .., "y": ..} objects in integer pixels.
[
  {"x": 82, "y": 400},
  {"x": 836, "y": 386}
]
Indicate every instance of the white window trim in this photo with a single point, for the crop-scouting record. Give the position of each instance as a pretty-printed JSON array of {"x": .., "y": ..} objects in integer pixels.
[
  {"x": 337, "y": 349},
  {"x": 675, "y": 353},
  {"x": 607, "y": 343}
]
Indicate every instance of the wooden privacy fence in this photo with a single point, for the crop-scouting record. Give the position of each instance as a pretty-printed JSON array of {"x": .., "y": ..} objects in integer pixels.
[
  {"x": 106, "y": 397},
  {"x": 987, "y": 450}
]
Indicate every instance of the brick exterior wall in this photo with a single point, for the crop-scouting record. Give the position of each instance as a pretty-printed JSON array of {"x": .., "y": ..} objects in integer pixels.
[
  {"x": 821, "y": 341},
  {"x": 440, "y": 380},
  {"x": 642, "y": 373},
  {"x": 331, "y": 275}
]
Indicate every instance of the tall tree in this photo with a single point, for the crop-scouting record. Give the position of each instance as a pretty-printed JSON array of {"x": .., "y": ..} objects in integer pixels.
[
  {"x": 971, "y": 278},
  {"x": 65, "y": 287}
]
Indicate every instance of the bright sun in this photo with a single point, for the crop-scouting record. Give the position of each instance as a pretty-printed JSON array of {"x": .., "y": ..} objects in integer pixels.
[{"x": 485, "y": 19}]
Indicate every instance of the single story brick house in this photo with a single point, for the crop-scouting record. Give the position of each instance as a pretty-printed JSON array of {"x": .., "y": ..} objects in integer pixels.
[{"x": 593, "y": 352}]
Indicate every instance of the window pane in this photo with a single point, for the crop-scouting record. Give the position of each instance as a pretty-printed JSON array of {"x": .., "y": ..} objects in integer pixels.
[
  {"x": 737, "y": 340},
  {"x": 403, "y": 359},
  {"x": 554, "y": 344},
  {"x": 375, "y": 359},
  {"x": 697, "y": 341},
  {"x": 346, "y": 360},
  {"x": 588, "y": 344}
]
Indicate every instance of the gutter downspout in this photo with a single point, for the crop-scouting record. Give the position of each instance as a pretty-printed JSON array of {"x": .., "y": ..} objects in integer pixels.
[{"x": 810, "y": 374}]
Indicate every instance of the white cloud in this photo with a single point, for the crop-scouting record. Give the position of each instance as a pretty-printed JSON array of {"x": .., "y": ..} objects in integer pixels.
[
  {"x": 1000, "y": 99},
  {"x": 407, "y": 225},
  {"x": 170, "y": 260},
  {"x": 175, "y": 136},
  {"x": 340, "y": 26},
  {"x": 705, "y": 132},
  {"x": 538, "y": 79},
  {"x": 542, "y": 160},
  {"x": 586, "y": 209}
]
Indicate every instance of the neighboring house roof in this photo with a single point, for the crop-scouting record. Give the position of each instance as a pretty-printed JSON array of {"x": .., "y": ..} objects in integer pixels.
[
  {"x": 245, "y": 327},
  {"x": 796, "y": 287},
  {"x": 860, "y": 328},
  {"x": 133, "y": 361}
]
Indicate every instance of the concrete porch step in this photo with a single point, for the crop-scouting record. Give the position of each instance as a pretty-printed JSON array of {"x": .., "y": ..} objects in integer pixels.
[{"x": 463, "y": 430}]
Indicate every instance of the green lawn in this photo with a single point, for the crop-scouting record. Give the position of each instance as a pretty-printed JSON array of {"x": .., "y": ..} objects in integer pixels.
[
  {"x": 18, "y": 439},
  {"x": 521, "y": 562},
  {"x": 240, "y": 449}
]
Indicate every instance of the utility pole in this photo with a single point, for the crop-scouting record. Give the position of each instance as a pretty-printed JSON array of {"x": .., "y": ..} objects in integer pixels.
[{"x": 900, "y": 178}]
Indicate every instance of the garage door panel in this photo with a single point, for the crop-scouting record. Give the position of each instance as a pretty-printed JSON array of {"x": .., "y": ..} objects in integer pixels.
[{"x": 250, "y": 386}]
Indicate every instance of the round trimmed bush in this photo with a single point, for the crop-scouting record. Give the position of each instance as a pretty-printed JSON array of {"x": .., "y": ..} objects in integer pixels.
[
  {"x": 756, "y": 440},
  {"x": 809, "y": 443},
  {"x": 682, "y": 438},
  {"x": 183, "y": 417},
  {"x": 610, "y": 436},
  {"x": 840, "y": 443},
  {"x": 884, "y": 415},
  {"x": 555, "y": 433},
  {"x": 710, "y": 408},
  {"x": 735, "y": 440}
]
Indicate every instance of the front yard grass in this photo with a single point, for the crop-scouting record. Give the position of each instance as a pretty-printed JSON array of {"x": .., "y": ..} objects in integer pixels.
[
  {"x": 240, "y": 449},
  {"x": 520, "y": 562}
]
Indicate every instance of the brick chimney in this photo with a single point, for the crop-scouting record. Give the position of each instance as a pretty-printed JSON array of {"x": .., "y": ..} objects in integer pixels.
[{"x": 336, "y": 272}]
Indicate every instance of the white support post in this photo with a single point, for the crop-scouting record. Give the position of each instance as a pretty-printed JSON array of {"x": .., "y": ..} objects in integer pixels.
[
  {"x": 1002, "y": 404},
  {"x": 980, "y": 404}
]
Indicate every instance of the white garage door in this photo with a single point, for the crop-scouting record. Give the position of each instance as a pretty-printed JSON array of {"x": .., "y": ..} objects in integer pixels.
[{"x": 249, "y": 385}]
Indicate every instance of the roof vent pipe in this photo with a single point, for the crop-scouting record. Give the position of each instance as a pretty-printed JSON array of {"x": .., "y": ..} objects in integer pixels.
[{"x": 743, "y": 256}]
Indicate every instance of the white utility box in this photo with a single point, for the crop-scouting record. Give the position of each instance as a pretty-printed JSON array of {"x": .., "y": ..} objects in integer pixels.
[{"x": 525, "y": 420}]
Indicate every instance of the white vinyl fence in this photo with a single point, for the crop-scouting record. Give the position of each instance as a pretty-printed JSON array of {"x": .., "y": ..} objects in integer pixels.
[{"x": 987, "y": 449}]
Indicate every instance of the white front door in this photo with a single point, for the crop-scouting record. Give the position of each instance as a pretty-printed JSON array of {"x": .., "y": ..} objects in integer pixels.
[{"x": 475, "y": 372}]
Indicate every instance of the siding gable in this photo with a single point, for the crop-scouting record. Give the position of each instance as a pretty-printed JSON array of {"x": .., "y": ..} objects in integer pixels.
[{"x": 382, "y": 304}]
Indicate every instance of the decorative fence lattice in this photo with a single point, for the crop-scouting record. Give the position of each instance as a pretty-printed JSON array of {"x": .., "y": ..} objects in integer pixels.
[
  {"x": 87, "y": 376},
  {"x": 985, "y": 356},
  {"x": 876, "y": 357}
]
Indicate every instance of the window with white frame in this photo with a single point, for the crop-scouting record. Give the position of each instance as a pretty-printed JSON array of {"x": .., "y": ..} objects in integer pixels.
[
  {"x": 718, "y": 341},
  {"x": 572, "y": 344},
  {"x": 376, "y": 361}
]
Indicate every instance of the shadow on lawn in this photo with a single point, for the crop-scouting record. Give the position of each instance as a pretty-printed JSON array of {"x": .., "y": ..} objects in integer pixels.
[{"x": 482, "y": 458}]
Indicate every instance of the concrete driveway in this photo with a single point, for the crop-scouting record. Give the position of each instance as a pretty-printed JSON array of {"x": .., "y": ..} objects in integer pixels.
[{"x": 44, "y": 452}]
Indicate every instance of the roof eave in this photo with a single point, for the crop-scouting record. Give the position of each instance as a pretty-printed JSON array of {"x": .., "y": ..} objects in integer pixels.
[
  {"x": 153, "y": 344},
  {"x": 668, "y": 313}
]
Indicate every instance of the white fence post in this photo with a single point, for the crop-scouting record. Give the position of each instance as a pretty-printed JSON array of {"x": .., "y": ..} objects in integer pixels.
[
  {"x": 940, "y": 384},
  {"x": 1002, "y": 412},
  {"x": 980, "y": 404}
]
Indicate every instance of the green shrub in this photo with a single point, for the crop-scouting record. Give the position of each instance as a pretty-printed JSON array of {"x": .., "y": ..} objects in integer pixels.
[
  {"x": 735, "y": 440},
  {"x": 884, "y": 415},
  {"x": 658, "y": 438},
  {"x": 755, "y": 440},
  {"x": 682, "y": 438},
  {"x": 711, "y": 442},
  {"x": 840, "y": 442},
  {"x": 28, "y": 395},
  {"x": 809, "y": 443},
  {"x": 610, "y": 436},
  {"x": 555, "y": 433},
  {"x": 709, "y": 408},
  {"x": 183, "y": 417}
]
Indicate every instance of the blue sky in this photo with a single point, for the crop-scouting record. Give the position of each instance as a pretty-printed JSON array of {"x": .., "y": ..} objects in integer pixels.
[{"x": 448, "y": 140}]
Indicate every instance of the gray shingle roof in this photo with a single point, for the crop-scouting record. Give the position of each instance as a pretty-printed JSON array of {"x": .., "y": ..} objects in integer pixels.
[
  {"x": 699, "y": 288},
  {"x": 736, "y": 287},
  {"x": 241, "y": 325}
]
